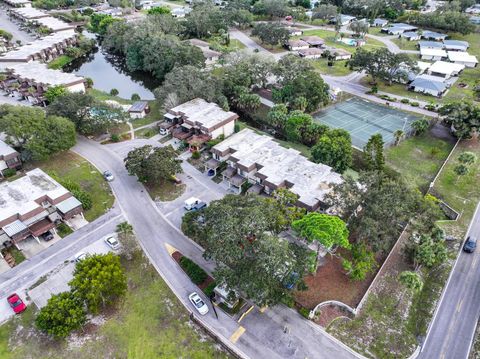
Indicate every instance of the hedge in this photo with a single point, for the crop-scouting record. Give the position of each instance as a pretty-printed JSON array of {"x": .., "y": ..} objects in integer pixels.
[{"x": 196, "y": 274}]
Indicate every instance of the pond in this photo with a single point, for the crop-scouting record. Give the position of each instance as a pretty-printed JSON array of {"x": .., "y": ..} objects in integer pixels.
[{"x": 109, "y": 71}]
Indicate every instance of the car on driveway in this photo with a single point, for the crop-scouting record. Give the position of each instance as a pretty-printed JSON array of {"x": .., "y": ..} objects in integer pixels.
[
  {"x": 112, "y": 242},
  {"x": 198, "y": 303},
  {"x": 470, "y": 244},
  {"x": 108, "y": 176},
  {"x": 198, "y": 206},
  {"x": 16, "y": 303},
  {"x": 47, "y": 236},
  {"x": 80, "y": 257}
]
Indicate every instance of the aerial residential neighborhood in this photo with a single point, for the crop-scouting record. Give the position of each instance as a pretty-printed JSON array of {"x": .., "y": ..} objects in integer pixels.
[{"x": 239, "y": 179}]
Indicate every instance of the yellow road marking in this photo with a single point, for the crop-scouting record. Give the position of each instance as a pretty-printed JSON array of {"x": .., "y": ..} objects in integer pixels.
[
  {"x": 245, "y": 314},
  {"x": 237, "y": 334},
  {"x": 170, "y": 249},
  {"x": 263, "y": 309}
]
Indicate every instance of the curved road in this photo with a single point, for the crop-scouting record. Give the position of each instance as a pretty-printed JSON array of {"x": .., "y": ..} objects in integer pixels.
[{"x": 264, "y": 335}]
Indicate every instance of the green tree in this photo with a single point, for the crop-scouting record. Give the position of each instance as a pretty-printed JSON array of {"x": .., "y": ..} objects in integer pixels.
[
  {"x": 135, "y": 97},
  {"x": 411, "y": 280},
  {"x": 114, "y": 92},
  {"x": 63, "y": 314},
  {"x": 151, "y": 164},
  {"x": 54, "y": 91},
  {"x": 271, "y": 33},
  {"x": 205, "y": 20},
  {"x": 159, "y": 10},
  {"x": 361, "y": 263},
  {"x": 125, "y": 228},
  {"x": 297, "y": 124},
  {"x": 99, "y": 280},
  {"x": 463, "y": 116},
  {"x": 272, "y": 8},
  {"x": 277, "y": 117},
  {"x": 328, "y": 231},
  {"x": 460, "y": 170},
  {"x": 429, "y": 252},
  {"x": 373, "y": 153},
  {"x": 359, "y": 28},
  {"x": 398, "y": 135},
  {"x": 467, "y": 158},
  {"x": 420, "y": 126},
  {"x": 334, "y": 149}
]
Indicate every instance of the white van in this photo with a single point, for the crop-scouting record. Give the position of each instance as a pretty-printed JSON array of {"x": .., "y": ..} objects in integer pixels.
[{"x": 190, "y": 203}]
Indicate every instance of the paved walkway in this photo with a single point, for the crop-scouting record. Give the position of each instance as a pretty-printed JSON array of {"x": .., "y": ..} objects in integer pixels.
[{"x": 8, "y": 25}]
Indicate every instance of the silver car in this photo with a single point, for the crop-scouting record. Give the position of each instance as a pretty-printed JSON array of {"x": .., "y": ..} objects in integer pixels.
[
  {"x": 198, "y": 303},
  {"x": 108, "y": 176},
  {"x": 112, "y": 242}
]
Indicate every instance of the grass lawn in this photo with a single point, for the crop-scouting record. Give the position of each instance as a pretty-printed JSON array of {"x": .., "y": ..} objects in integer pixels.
[
  {"x": 103, "y": 96},
  {"x": 60, "y": 62},
  {"x": 404, "y": 44},
  {"x": 418, "y": 158},
  {"x": 377, "y": 31},
  {"x": 148, "y": 323},
  {"x": 63, "y": 230},
  {"x": 165, "y": 191},
  {"x": 146, "y": 132},
  {"x": 68, "y": 165},
  {"x": 234, "y": 45},
  {"x": 274, "y": 49},
  {"x": 338, "y": 69},
  {"x": 329, "y": 37}
]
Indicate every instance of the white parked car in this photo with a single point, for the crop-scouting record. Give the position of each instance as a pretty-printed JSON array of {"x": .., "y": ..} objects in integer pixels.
[
  {"x": 112, "y": 242},
  {"x": 80, "y": 256},
  {"x": 108, "y": 176},
  {"x": 198, "y": 303}
]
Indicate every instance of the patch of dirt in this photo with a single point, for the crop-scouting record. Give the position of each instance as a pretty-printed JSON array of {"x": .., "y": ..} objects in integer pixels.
[
  {"x": 331, "y": 283},
  {"x": 327, "y": 313}
]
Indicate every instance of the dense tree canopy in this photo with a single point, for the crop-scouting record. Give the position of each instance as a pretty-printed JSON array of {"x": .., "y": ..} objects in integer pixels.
[
  {"x": 151, "y": 164},
  {"x": 464, "y": 117},
  {"x": 271, "y": 33},
  {"x": 36, "y": 135},
  {"x": 452, "y": 21},
  {"x": 373, "y": 153},
  {"x": 334, "y": 149},
  {"x": 205, "y": 20},
  {"x": 99, "y": 280}
]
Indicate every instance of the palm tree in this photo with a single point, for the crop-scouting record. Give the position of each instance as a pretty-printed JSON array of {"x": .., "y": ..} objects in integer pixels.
[
  {"x": 124, "y": 228},
  {"x": 398, "y": 134},
  {"x": 411, "y": 281}
]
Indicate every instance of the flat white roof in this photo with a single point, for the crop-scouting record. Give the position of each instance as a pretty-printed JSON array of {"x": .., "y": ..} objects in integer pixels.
[
  {"x": 30, "y": 12},
  {"x": 423, "y": 66},
  {"x": 311, "y": 181},
  {"x": 5, "y": 149},
  {"x": 203, "y": 113},
  {"x": 432, "y": 52},
  {"x": 39, "y": 73},
  {"x": 54, "y": 24},
  {"x": 18, "y": 2},
  {"x": 447, "y": 68},
  {"x": 18, "y": 197},
  {"x": 26, "y": 51},
  {"x": 455, "y": 56}
]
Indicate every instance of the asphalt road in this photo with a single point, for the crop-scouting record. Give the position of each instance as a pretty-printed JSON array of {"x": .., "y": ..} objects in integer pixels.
[
  {"x": 262, "y": 335},
  {"x": 455, "y": 320}
]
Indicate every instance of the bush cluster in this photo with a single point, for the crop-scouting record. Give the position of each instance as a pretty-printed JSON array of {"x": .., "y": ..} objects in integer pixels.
[{"x": 196, "y": 274}]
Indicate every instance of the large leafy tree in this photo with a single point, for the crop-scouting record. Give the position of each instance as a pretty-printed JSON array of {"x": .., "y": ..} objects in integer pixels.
[
  {"x": 464, "y": 117},
  {"x": 151, "y": 164},
  {"x": 36, "y": 135},
  {"x": 99, "y": 280},
  {"x": 205, "y": 20},
  {"x": 334, "y": 148},
  {"x": 360, "y": 263},
  {"x": 63, "y": 313},
  {"x": 272, "y": 8},
  {"x": 240, "y": 235},
  {"x": 271, "y": 33}
]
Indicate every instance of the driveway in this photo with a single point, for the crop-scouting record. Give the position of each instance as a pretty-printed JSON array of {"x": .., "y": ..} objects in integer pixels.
[
  {"x": 154, "y": 231},
  {"x": 13, "y": 28}
]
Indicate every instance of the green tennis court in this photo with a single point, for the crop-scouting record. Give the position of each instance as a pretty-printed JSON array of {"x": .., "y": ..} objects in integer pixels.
[{"x": 362, "y": 119}]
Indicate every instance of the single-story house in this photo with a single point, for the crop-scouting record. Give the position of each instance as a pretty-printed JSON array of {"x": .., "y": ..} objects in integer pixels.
[
  {"x": 428, "y": 86},
  {"x": 423, "y": 66},
  {"x": 198, "y": 121},
  {"x": 445, "y": 69},
  {"x": 398, "y": 28},
  {"x": 295, "y": 31},
  {"x": 311, "y": 53},
  {"x": 432, "y": 35},
  {"x": 296, "y": 45},
  {"x": 430, "y": 45},
  {"x": 456, "y": 45},
  {"x": 139, "y": 109},
  {"x": 266, "y": 165},
  {"x": 313, "y": 41},
  {"x": 432, "y": 54},
  {"x": 211, "y": 56},
  {"x": 380, "y": 22},
  {"x": 340, "y": 54},
  {"x": 410, "y": 35},
  {"x": 33, "y": 205},
  {"x": 9, "y": 158},
  {"x": 344, "y": 19},
  {"x": 462, "y": 58}
]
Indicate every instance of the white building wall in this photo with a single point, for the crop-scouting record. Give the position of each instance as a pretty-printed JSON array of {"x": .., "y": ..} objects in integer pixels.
[
  {"x": 77, "y": 87},
  {"x": 226, "y": 130}
]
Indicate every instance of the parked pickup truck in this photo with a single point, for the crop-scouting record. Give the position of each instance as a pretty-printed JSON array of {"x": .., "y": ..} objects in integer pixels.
[{"x": 194, "y": 204}]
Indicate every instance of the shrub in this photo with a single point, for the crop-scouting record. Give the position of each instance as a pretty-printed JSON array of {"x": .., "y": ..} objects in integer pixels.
[
  {"x": 114, "y": 92},
  {"x": 405, "y": 100},
  {"x": 195, "y": 155},
  {"x": 114, "y": 137},
  {"x": 414, "y": 104},
  {"x": 9, "y": 172},
  {"x": 304, "y": 312},
  {"x": 237, "y": 128},
  {"x": 193, "y": 270},
  {"x": 209, "y": 289},
  {"x": 288, "y": 301},
  {"x": 84, "y": 197},
  {"x": 135, "y": 97}
]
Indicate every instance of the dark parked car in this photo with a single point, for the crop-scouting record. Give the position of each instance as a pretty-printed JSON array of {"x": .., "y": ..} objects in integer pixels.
[
  {"x": 470, "y": 244},
  {"x": 198, "y": 206},
  {"x": 47, "y": 236}
]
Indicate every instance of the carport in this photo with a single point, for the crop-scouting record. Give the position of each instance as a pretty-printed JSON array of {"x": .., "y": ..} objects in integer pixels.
[{"x": 212, "y": 165}]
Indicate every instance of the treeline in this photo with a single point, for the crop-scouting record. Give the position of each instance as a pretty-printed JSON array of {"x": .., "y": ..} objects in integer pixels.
[{"x": 452, "y": 21}]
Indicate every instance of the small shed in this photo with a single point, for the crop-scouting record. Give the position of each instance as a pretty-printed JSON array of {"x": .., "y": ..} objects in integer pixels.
[{"x": 139, "y": 109}]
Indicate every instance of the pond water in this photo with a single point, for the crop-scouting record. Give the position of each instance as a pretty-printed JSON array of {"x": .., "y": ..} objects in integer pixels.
[{"x": 109, "y": 71}]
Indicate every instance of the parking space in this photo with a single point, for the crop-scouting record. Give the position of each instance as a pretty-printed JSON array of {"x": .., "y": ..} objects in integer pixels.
[{"x": 31, "y": 246}]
